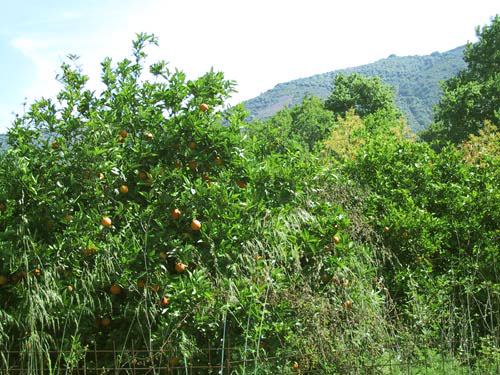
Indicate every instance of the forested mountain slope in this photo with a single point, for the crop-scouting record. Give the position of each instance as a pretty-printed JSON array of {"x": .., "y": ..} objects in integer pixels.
[{"x": 414, "y": 78}]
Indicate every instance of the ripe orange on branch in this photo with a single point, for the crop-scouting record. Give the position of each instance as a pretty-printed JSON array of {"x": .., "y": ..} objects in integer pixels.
[
  {"x": 176, "y": 213},
  {"x": 204, "y": 107},
  {"x": 115, "y": 289},
  {"x": 141, "y": 283},
  {"x": 193, "y": 165},
  {"x": 123, "y": 133},
  {"x": 164, "y": 301},
  {"x": 105, "y": 322},
  {"x": 336, "y": 239},
  {"x": 89, "y": 251},
  {"x": 195, "y": 225},
  {"x": 106, "y": 222},
  {"x": 173, "y": 362},
  {"x": 179, "y": 267},
  {"x": 124, "y": 189}
]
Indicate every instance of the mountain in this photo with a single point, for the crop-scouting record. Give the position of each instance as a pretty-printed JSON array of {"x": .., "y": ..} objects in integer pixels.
[
  {"x": 415, "y": 80},
  {"x": 3, "y": 142}
]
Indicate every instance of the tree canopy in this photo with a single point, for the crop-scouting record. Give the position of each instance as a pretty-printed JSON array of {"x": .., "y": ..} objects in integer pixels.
[
  {"x": 366, "y": 95},
  {"x": 472, "y": 97}
]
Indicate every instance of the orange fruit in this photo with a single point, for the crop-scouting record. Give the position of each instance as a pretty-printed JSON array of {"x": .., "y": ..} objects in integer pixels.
[
  {"x": 164, "y": 301},
  {"x": 119, "y": 139},
  {"x": 193, "y": 165},
  {"x": 141, "y": 283},
  {"x": 336, "y": 239},
  {"x": 101, "y": 176},
  {"x": 295, "y": 365},
  {"x": 37, "y": 272},
  {"x": 123, "y": 133},
  {"x": 115, "y": 289},
  {"x": 155, "y": 288},
  {"x": 258, "y": 257},
  {"x": 105, "y": 322},
  {"x": 54, "y": 145},
  {"x": 204, "y": 107},
  {"x": 179, "y": 267},
  {"x": 124, "y": 189},
  {"x": 106, "y": 222},
  {"x": 195, "y": 225},
  {"x": 386, "y": 229},
  {"x": 69, "y": 288},
  {"x": 149, "y": 136},
  {"x": 3, "y": 207},
  {"x": 192, "y": 145},
  {"x": 3, "y": 280},
  {"x": 176, "y": 213},
  {"x": 89, "y": 251},
  {"x": 348, "y": 304},
  {"x": 406, "y": 235}
]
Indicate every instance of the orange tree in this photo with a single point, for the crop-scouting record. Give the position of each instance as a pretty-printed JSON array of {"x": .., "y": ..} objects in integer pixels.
[
  {"x": 89, "y": 185},
  {"x": 438, "y": 214},
  {"x": 135, "y": 216}
]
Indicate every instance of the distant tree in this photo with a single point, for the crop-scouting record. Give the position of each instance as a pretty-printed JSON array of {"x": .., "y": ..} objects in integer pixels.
[
  {"x": 472, "y": 97},
  {"x": 366, "y": 95}
]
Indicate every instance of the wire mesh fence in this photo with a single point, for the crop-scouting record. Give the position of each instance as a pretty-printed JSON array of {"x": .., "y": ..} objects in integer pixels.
[{"x": 226, "y": 361}]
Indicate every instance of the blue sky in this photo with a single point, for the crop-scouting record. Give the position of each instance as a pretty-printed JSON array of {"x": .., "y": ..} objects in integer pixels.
[{"x": 258, "y": 43}]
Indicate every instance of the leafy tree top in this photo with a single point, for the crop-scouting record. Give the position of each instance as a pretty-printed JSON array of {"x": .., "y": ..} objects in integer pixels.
[
  {"x": 365, "y": 95},
  {"x": 472, "y": 97}
]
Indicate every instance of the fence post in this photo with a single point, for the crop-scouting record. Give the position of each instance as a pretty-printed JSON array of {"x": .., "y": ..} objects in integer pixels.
[
  {"x": 133, "y": 358},
  {"x": 95, "y": 358},
  {"x": 228, "y": 357}
]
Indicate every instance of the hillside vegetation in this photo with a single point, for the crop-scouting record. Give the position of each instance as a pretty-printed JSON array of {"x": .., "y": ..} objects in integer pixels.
[
  {"x": 319, "y": 240},
  {"x": 415, "y": 80}
]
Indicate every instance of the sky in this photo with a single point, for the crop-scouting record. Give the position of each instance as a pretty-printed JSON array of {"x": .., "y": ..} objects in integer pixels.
[{"x": 257, "y": 43}]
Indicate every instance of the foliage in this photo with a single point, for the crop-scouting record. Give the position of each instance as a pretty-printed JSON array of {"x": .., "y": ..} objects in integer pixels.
[
  {"x": 148, "y": 216},
  {"x": 366, "y": 95},
  {"x": 301, "y": 127},
  {"x": 438, "y": 214},
  {"x": 415, "y": 79},
  {"x": 471, "y": 97},
  {"x": 350, "y": 133},
  {"x": 273, "y": 271}
]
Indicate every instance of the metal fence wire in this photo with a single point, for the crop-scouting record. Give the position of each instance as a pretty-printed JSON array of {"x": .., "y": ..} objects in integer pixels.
[{"x": 224, "y": 361}]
